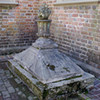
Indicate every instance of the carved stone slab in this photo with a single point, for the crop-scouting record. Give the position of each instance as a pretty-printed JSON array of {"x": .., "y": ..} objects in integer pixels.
[
  {"x": 50, "y": 91},
  {"x": 48, "y": 65},
  {"x": 44, "y": 69}
]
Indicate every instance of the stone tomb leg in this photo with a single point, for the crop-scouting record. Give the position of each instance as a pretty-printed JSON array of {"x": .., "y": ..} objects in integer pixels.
[{"x": 46, "y": 71}]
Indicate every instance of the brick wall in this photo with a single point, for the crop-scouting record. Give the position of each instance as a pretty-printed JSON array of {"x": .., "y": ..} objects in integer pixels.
[
  {"x": 17, "y": 25},
  {"x": 76, "y": 28}
]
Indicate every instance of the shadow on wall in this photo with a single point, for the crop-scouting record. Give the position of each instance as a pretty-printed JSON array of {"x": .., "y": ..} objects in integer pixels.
[{"x": 94, "y": 59}]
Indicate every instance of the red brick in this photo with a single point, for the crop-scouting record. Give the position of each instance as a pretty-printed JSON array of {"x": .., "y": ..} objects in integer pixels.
[
  {"x": 77, "y": 23},
  {"x": 75, "y": 15}
]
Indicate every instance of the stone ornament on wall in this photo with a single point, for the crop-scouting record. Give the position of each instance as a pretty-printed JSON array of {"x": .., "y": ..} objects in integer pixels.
[
  {"x": 75, "y": 1},
  {"x": 8, "y": 2},
  {"x": 44, "y": 12}
]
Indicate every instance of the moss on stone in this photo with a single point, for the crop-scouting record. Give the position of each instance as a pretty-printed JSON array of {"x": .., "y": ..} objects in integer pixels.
[
  {"x": 60, "y": 93},
  {"x": 29, "y": 83},
  {"x": 69, "y": 78},
  {"x": 45, "y": 94},
  {"x": 52, "y": 67},
  {"x": 9, "y": 65},
  {"x": 41, "y": 84},
  {"x": 21, "y": 66}
]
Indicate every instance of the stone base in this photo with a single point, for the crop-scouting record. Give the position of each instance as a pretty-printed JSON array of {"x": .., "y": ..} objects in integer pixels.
[{"x": 53, "y": 89}]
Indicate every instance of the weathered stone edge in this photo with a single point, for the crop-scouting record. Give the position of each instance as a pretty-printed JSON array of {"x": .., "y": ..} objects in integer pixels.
[
  {"x": 30, "y": 83},
  {"x": 76, "y": 2},
  {"x": 8, "y": 3},
  {"x": 87, "y": 67},
  {"x": 27, "y": 78}
]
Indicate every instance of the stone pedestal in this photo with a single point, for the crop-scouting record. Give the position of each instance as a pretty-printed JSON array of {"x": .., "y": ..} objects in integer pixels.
[{"x": 43, "y": 28}]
